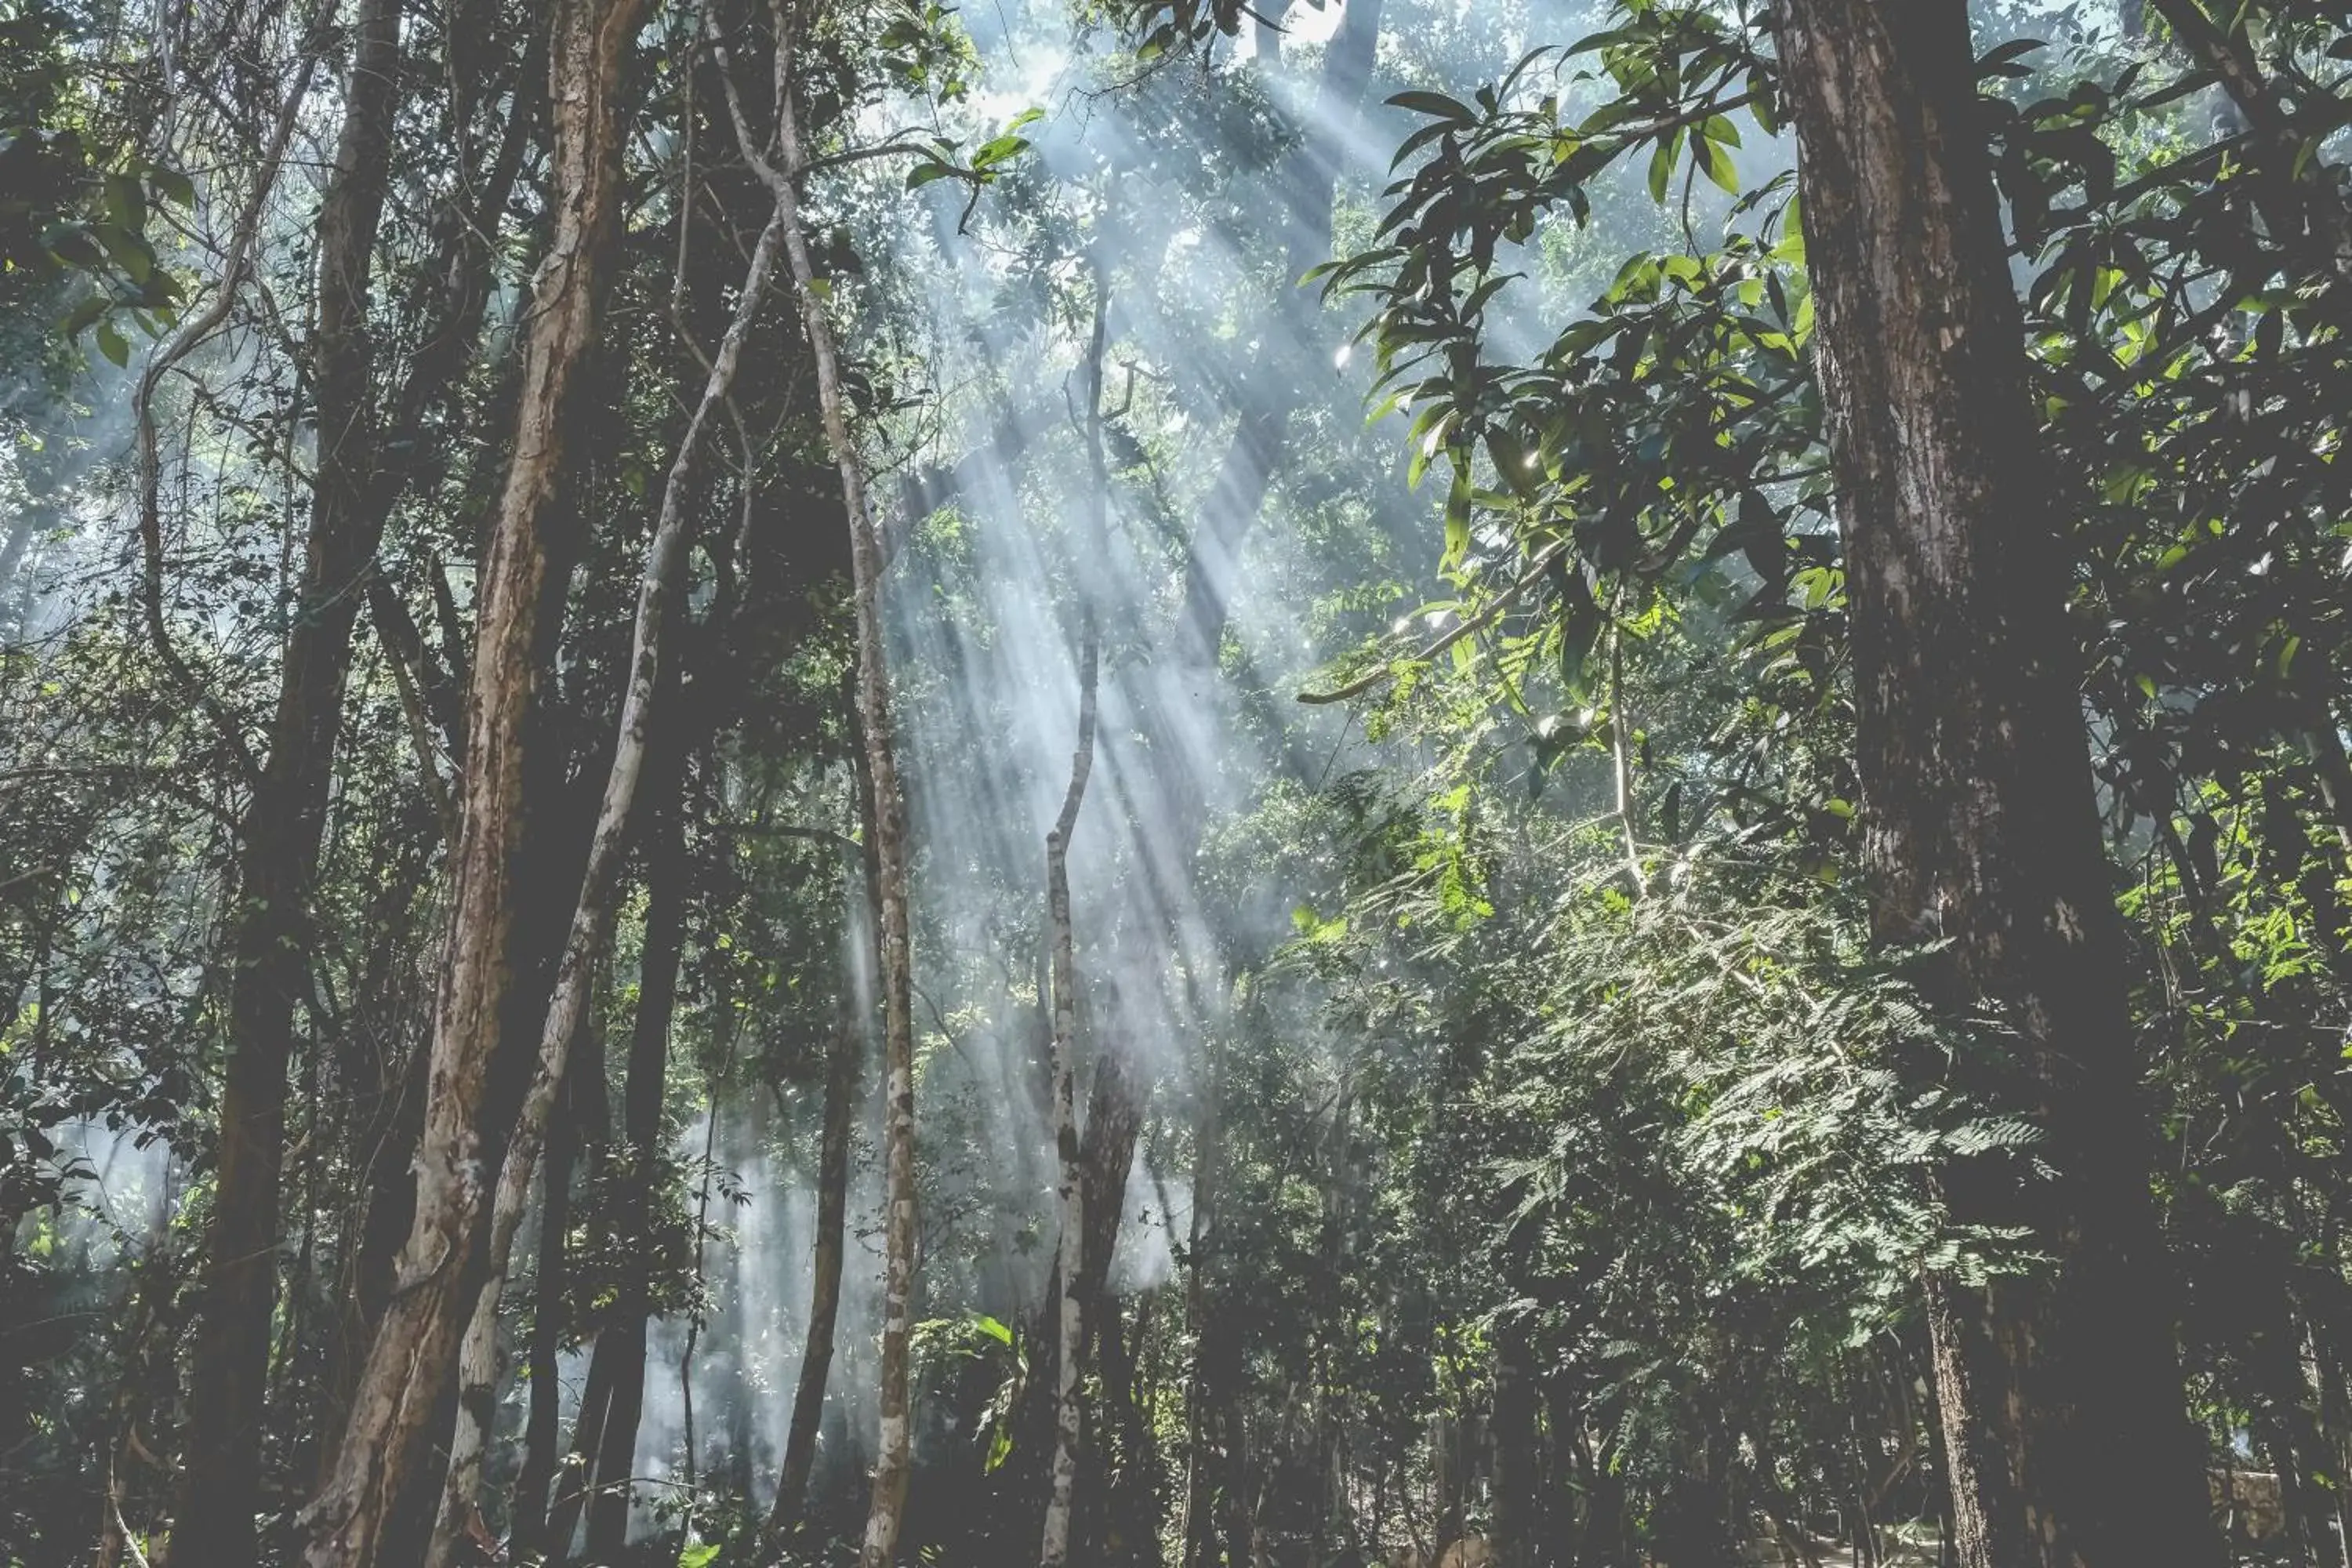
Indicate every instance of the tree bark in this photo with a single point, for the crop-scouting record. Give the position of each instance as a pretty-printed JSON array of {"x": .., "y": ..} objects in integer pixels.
[
  {"x": 1266, "y": 398},
  {"x": 592, "y": 915},
  {"x": 641, "y": 1131},
  {"x": 1070, "y": 1271},
  {"x": 543, "y": 1429},
  {"x": 894, "y": 1452},
  {"x": 1213, "y": 1436},
  {"x": 2061, "y": 1400},
  {"x": 410, "y": 1367},
  {"x": 832, "y": 1203},
  {"x": 279, "y": 835}
]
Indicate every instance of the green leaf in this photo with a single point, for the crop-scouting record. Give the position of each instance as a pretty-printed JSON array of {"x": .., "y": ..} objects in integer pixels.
[
  {"x": 1717, "y": 166},
  {"x": 2004, "y": 59},
  {"x": 698, "y": 1556},
  {"x": 1435, "y": 104},
  {"x": 112, "y": 345}
]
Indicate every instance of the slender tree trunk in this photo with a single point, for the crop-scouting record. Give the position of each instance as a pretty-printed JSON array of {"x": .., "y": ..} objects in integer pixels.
[
  {"x": 1268, "y": 394},
  {"x": 894, "y": 1452},
  {"x": 544, "y": 1430},
  {"x": 641, "y": 1131},
  {"x": 832, "y": 1200},
  {"x": 583, "y": 1476},
  {"x": 478, "y": 1375},
  {"x": 279, "y": 836},
  {"x": 411, "y": 1364},
  {"x": 591, "y": 917},
  {"x": 2061, "y": 1401},
  {"x": 1205, "y": 1437},
  {"x": 2299, "y": 1447},
  {"x": 468, "y": 246},
  {"x": 1069, "y": 1407}
]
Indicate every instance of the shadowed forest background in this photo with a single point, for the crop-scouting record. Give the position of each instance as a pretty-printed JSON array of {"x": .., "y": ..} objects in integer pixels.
[{"x": 1480, "y": 784}]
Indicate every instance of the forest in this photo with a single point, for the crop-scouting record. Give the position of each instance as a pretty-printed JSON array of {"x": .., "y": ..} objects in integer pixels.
[{"x": 1354, "y": 784}]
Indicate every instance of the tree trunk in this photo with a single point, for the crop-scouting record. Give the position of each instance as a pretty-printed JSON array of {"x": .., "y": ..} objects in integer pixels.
[
  {"x": 591, "y": 915},
  {"x": 279, "y": 835},
  {"x": 789, "y": 1511},
  {"x": 2061, "y": 1401},
  {"x": 1209, "y": 1438},
  {"x": 894, "y": 1452},
  {"x": 1266, "y": 397},
  {"x": 1070, "y": 1265},
  {"x": 542, "y": 1431},
  {"x": 832, "y": 1216},
  {"x": 642, "y": 1096},
  {"x": 469, "y": 246},
  {"x": 410, "y": 1367}
]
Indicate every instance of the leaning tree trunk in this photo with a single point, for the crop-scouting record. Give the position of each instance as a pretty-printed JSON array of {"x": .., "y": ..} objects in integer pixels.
[
  {"x": 615, "y": 1448},
  {"x": 894, "y": 1452},
  {"x": 593, "y": 912},
  {"x": 605, "y": 1431},
  {"x": 411, "y": 1362},
  {"x": 831, "y": 1198},
  {"x": 2061, "y": 1401},
  {"x": 278, "y": 838},
  {"x": 471, "y": 235},
  {"x": 1070, "y": 1274},
  {"x": 551, "y": 1290}
]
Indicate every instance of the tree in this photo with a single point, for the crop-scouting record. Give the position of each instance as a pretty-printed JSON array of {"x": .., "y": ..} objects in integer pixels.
[
  {"x": 358, "y": 1516},
  {"x": 2064, "y": 1418},
  {"x": 282, "y": 825}
]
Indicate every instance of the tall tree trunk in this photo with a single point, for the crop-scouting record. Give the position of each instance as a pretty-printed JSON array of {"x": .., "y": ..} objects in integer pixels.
[
  {"x": 583, "y": 1475},
  {"x": 591, "y": 915},
  {"x": 2061, "y": 1401},
  {"x": 411, "y": 1364},
  {"x": 832, "y": 1195},
  {"x": 543, "y": 1429},
  {"x": 894, "y": 1452},
  {"x": 1070, "y": 1271},
  {"x": 1216, "y": 1502},
  {"x": 279, "y": 835},
  {"x": 624, "y": 1342}
]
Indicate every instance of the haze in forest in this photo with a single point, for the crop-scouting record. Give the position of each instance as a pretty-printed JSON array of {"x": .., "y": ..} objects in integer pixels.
[{"x": 1469, "y": 783}]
